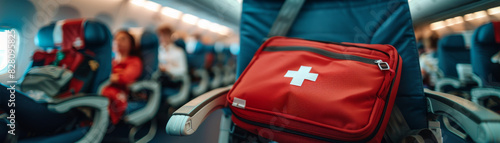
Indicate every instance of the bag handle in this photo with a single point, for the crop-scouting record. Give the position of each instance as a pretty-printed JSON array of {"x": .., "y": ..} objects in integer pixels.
[{"x": 286, "y": 17}]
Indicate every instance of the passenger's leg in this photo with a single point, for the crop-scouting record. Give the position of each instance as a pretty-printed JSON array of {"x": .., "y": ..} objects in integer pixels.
[
  {"x": 117, "y": 102},
  {"x": 30, "y": 115}
]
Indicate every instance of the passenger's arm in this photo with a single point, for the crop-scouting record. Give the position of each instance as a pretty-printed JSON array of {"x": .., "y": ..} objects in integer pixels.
[
  {"x": 479, "y": 123},
  {"x": 189, "y": 117},
  {"x": 130, "y": 74}
]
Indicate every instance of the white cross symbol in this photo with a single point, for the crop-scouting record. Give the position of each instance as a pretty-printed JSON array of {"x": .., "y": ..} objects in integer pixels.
[{"x": 302, "y": 74}]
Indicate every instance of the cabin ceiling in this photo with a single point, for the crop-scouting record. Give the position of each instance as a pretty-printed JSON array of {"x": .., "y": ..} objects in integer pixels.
[{"x": 227, "y": 12}]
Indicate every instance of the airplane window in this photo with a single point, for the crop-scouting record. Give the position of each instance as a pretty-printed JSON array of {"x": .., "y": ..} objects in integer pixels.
[{"x": 5, "y": 36}]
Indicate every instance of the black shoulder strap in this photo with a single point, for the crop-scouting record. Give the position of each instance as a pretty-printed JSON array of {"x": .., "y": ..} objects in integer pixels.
[{"x": 286, "y": 17}]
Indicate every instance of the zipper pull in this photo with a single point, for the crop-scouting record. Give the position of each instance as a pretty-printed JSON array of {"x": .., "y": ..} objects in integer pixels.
[{"x": 382, "y": 65}]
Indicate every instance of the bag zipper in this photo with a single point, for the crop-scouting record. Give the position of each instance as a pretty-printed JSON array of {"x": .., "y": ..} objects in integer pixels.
[
  {"x": 343, "y": 44},
  {"x": 381, "y": 64}
]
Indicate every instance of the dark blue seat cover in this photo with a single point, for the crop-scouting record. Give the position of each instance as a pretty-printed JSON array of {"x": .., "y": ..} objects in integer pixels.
[
  {"x": 196, "y": 59},
  {"x": 483, "y": 48},
  {"x": 452, "y": 51},
  {"x": 149, "y": 49},
  {"x": 358, "y": 21}
]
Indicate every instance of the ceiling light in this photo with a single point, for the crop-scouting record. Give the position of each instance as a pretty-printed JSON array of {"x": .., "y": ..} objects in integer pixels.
[
  {"x": 170, "y": 12},
  {"x": 480, "y": 14},
  {"x": 214, "y": 27},
  {"x": 223, "y": 30},
  {"x": 189, "y": 19},
  {"x": 204, "y": 24},
  {"x": 138, "y": 2},
  {"x": 438, "y": 25},
  {"x": 450, "y": 22},
  {"x": 150, "y": 5},
  {"x": 469, "y": 17},
  {"x": 493, "y": 11},
  {"x": 458, "y": 20}
]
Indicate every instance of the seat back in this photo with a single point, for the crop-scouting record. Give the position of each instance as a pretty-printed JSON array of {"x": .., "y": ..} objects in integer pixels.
[
  {"x": 452, "y": 51},
  {"x": 97, "y": 39},
  {"x": 148, "y": 43},
  {"x": 360, "y": 21},
  {"x": 195, "y": 54},
  {"x": 228, "y": 57},
  {"x": 483, "y": 48}
]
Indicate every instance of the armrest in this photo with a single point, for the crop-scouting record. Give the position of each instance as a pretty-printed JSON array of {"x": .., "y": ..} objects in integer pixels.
[
  {"x": 204, "y": 82},
  {"x": 149, "y": 111},
  {"x": 479, "y": 94},
  {"x": 81, "y": 100},
  {"x": 100, "y": 123},
  {"x": 447, "y": 81},
  {"x": 183, "y": 95},
  {"x": 189, "y": 117},
  {"x": 103, "y": 85},
  {"x": 478, "y": 80},
  {"x": 481, "y": 124},
  {"x": 229, "y": 75},
  {"x": 216, "y": 82}
]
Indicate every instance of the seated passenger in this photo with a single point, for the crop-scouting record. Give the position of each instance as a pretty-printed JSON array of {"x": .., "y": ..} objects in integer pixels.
[
  {"x": 172, "y": 59},
  {"x": 126, "y": 69},
  {"x": 428, "y": 60}
]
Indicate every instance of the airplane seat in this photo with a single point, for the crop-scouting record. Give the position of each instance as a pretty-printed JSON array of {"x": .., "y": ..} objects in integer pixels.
[
  {"x": 487, "y": 73},
  {"x": 229, "y": 67},
  {"x": 452, "y": 54},
  {"x": 215, "y": 71},
  {"x": 145, "y": 93},
  {"x": 176, "y": 96},
  {"x": 196, "y": 62},
  {"x": 141, "y": 111},
  {"x": 59, "y": 119},
  {"x": 209, "y": 61},
  {"x": 420, "y": 46}
]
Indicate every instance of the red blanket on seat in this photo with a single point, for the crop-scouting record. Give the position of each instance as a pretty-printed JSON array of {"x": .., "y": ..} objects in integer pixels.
[{"x": 496, "y": 27}]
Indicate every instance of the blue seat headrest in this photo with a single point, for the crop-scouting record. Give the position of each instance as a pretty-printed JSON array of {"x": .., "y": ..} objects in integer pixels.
[
  {"x": 149, "y": 41},
  {"x": 180, "y": 43},
  {"x": 44, "y": 38},
  {"x": 452, "y": 51},
  {"x": 95, "y": 34},
  {"x": 453, "y": 42},
  {"x": 209, "y": 48},
  {"x": 226, "y": 50},
  {"x": 195, "y": 47},
  {"x": 485, "y": 35},
  {"x": 149, "y": 47},
  {"x": 420, "y": 45}
]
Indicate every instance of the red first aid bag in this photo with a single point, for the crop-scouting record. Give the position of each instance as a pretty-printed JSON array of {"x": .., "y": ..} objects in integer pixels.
[{"x": 296, "y": 90}]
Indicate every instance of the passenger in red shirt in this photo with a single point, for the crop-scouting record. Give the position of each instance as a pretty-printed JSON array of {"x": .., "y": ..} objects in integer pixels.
[{"x": 127, "y": 67}]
